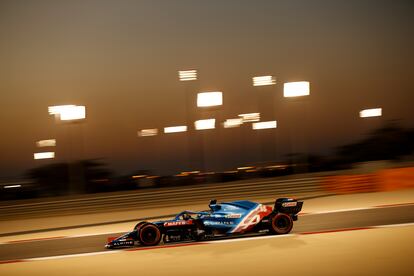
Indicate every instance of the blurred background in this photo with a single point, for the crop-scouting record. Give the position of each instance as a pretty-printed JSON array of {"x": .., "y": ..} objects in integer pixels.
[
  {"x": 119, "y": 111},
  {"x": 90, "y": 89}
]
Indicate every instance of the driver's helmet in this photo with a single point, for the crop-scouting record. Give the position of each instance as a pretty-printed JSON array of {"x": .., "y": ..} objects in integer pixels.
[
  {"x": 186, "y": 216},
  {"x": 215, "y": 207}
]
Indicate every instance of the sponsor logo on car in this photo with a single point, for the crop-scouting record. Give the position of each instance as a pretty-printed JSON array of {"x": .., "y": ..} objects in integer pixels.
[
  {"x": 178, "y": 223},
  {"x": 122, "y": 243},
  {"x": 233, "y": 216},
  {"x": 289, "y": 204},
  {"x": 218, "y": 222}
]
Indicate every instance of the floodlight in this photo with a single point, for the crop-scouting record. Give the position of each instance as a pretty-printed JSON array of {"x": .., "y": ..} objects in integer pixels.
[
  {"x": 264, "y": 125},
  {"x": 148, "y": 132},
  {"x": 174, "y": 129},
  {"x": 12, "y": 186},
  {"x": 296, "y": 89},
  {"x": 44, "y": 155},
  {"x": 205, "y": 124},
  {"x": 68, "y": 112},
  {"x": 187, "y": 75},
  {"x": 57, "y": 109},
  {"x": 74, "y": 113},
  {"x": 230, "y": 123},
  {"x": 373, "y": 112},
  {"x": 264, "y": 80},
  {"x": 46, "y": 143},
  {"x": 206, "y": 99},
  {"x": 250, "y": 117}
]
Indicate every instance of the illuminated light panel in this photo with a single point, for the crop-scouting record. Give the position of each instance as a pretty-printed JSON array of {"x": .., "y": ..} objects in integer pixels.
[
  {"x": 245, "y": 168},
  {"x": 68, "y": 112},
  {"x": 187, "y": 75},
  {"x": 296, "y": 89},
  {"x": 373, "y": 112},
  {"x": 148, "y": 132},
  {"x": 250, "y": 117},
  {"x": 230, "y": 123},
  {"x": 190, "y": 172},
  {"x": 205, "y": 99},
  {"x": 264, "y": 125},
  {"x": 46, "y": 143},
  {"x": 44, "y": 155},
  {"x": 205, "y": 124},
  {"x": 77, "y": 112},
  {"x": 174, "y": 129},
  {"x": 264, "y": 80},
  {"x": 57, "y": 109},
  {"x": 12, "y": 186}
]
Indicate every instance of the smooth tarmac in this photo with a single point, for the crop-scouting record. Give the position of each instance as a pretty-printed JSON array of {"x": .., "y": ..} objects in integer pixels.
[
  {"x": 306, "y": 224},
  {"x": 380, "y": 251},
  {"x": 315, "y": 205}
]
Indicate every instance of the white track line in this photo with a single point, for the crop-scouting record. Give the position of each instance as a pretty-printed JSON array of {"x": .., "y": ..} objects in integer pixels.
[
  {"x": 394, "y": 225},
  {"x": 356, "y": 209},
  {"x": 71, "y": 256},
  {"x": 251, "y": 238},
  {"x": 340, "y": 210}
]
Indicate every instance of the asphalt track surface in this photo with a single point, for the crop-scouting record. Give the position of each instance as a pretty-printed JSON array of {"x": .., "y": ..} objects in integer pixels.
[{"x": 307, "y": 223}]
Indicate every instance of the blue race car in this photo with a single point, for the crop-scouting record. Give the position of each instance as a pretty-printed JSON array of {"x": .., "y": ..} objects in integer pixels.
[{"x": 223, "y": 219}]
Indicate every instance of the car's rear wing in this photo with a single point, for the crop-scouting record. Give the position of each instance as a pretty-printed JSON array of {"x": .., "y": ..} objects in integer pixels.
[{"x": 288, "y": 206}]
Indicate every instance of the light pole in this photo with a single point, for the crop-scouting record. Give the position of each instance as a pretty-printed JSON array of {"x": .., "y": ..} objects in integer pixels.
[
  {"x": 244, "y": 133},
  {"x": 49, "y": 143},
  {"x": 210, "y": 101},
  {"x": 264, "y": 99},
  {"x": 371, "y": 114},
  {"x": 188, "y": 78},
  {"x": 264, "y": 126},
  {"x": 149, "y": 136},
  {"x": 261, "y": 82},
  {"x": 72, "y": 114},
  {"x": 297, "y": 90}
]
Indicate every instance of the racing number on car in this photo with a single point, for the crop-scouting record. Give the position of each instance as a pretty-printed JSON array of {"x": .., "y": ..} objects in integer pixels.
[{"x": 253, "y": 218}]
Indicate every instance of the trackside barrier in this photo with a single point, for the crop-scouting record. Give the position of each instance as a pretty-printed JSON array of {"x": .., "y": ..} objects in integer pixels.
[
  {"x": 347, "y": 184},
  {"x": 166, "y": 197},
  {"x": 383, "y": 180},
  {"x": 396, "y": 179}
]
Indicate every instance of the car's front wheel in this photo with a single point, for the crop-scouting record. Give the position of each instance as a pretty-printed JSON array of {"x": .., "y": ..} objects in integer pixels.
[
  {"x": 149, "y": 234},
  {"x": 281, "y": 224},
  {"x": 139, "y": 224}
]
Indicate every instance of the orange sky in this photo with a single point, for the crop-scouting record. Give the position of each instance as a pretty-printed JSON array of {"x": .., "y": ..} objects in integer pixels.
[{"x": 120, "y": 59}]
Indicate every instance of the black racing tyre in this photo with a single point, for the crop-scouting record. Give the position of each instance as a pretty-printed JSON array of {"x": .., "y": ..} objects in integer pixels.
[
  {"x": 149, "y": 234},
  {"x": 139, "y": 224},
  {"x": 281, "y": 224}
]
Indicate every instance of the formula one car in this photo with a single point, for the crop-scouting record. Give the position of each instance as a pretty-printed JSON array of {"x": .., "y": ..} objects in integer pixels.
[{"x": 223, "y": 219}]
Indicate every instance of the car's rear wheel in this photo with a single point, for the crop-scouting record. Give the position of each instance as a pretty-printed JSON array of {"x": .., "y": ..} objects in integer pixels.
[
  {"x": 149, "y": 234},
  {"x": 281, "y": 224}
]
